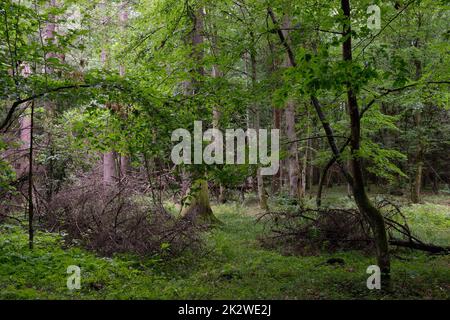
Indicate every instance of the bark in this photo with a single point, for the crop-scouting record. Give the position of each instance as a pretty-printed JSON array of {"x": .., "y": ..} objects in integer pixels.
[
  {"x": 109, "y": 158},
  {"x": 323, "y": 178},
  {"x": 365, "y": 206},
  {"x": 294, "y": 171},
  {"x": 49, "y": 36},
  {"x": 25, "y": 138},
  {"x": 306, "y": 155},
  {"x": 109, "y": 168},
  {"x": 199, "y": 209},
  {"x": 416, "y": 179},
  {"x": 262, "y": 195},
  {"x": 310, "y": 167},
  {"x": 417, "y": 176},
  {"x": 30, "y": 183},
  {"x": 216, "y": 73},
  {"x": 419, "y": 246},
  {"x": 124, "y": 161},
  {"x": 276, "y": 180},
  {"x": 276, "y": 115},
  {"x": 124, "y": 165}
]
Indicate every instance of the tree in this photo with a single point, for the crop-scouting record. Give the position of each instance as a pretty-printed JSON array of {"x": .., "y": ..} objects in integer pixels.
[{"x": 198, "y": 209}]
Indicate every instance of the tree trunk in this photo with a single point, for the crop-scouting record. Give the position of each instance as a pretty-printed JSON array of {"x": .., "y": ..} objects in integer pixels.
[
  {"x": 417, "y": 179},
  {"x": 292, "y": 158},
  {"x": 30, "y": 184},
  {"x": 276, "y": 180},
  {"x": 109, "y": 168},
  {"x": 109, "y": 158},
  {"x": 25, "y": 138},
  {"x": 416, "y": 182},
  {"x": 289, "y": 114},
  {"x": 123, "y": 18},
  {"x": 216, "y": 73},
  {"x": 199, "y": 208},
  {"x": 262, "y": 195},
  {"x": 372, "y": 214}
]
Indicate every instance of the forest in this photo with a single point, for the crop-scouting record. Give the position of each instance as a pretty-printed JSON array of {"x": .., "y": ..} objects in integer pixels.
[{"x": 224, "y": 149}]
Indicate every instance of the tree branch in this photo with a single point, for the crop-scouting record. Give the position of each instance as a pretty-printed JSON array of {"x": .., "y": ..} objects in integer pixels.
[{"x": 17, "y": 103}]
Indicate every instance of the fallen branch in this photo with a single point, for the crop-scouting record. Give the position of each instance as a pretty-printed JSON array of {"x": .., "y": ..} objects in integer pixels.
[{"x": 419, "y": 246}]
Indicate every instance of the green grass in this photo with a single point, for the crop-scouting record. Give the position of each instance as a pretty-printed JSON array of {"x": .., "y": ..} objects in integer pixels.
[{"x": 231, "y": 266}]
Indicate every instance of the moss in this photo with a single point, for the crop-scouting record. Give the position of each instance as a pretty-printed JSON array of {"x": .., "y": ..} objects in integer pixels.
[{"x": 199, "y": 209}]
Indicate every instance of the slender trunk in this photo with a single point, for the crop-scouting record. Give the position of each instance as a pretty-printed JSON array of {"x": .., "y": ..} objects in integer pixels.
[
  {"x": 304, "y": 167},
  {"x": 25, "y": 138},
  {"x": 109, "y": 168},
  {"x": 276, "y": 180},
  {"x": 50, "y": 37},
  {"x": 416, "y": 182},
  {"x": 292, "y": 158},
  {"x": 310, "y": 177},
  {"x": 262, "y": 195},
  {"x": 349, "y": 186},
  {"x": 416, "y": 191},
  {"x": 323, "y": 179},
  {"x": 123, "y": 18},
  {"x": 417, "y": 166},
  {"x": 109, "y": 158},
  {"x": 290, "y": 120},
  {"x": 216, "y": 73},
  {"x": 30, "y": 183},
  {"x": 365, "y": 206}
]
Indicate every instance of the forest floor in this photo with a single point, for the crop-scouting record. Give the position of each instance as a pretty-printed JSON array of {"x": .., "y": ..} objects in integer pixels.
[{"x": 233, "y": 265}]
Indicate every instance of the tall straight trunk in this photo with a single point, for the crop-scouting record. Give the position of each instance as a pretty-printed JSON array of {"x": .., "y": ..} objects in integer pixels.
[
  {"x": 416, "y": 187},
  {"x": 109, "y": 158},
  {"x": 50, "y": 37},
  {"x": 109, "y": 168},
  {"x": 290, "y": 121},
  {"x": 276, "y": 117},
  {"x": 292, "y": 157},
  {"x": 310, "y": 175},
  {"x": 30, "y": 183},
  {"x": 123, "y": 18},
  {"x": 262, "y": 195},
  {"x": 25, "y": 139},
  {"x": 199, "y": 209},
  {"x": 217, "y": 74},
  {"x": 349, "y": 186},
  {"x": 365, "y": 206},
  {"x": 304, "y": 166},
  {"x": 416, "y": 179},
  {"x": 276, "y": 180}
]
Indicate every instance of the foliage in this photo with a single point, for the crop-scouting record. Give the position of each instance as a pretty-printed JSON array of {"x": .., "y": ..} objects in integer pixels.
[{"x": 233, "y": 267}]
